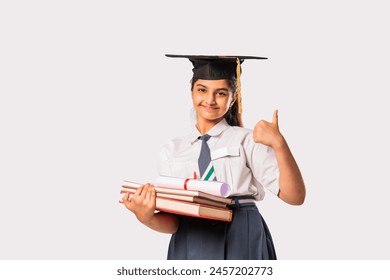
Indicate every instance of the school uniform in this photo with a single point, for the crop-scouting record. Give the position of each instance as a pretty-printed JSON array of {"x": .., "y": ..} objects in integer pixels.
[{"x": 249, "y": 168}]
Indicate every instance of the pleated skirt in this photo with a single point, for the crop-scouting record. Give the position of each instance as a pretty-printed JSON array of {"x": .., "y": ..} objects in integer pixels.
[{"x": 245, "y": 238}]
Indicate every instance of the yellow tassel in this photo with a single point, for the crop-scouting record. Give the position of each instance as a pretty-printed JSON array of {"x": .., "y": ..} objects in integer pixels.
[{"x": 238, "y": 73}]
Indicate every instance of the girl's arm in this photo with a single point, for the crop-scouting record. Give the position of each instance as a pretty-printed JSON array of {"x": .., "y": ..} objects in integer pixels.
[
  {"x": 143, "y": 205},
  {"x": 291, "y": 186}
]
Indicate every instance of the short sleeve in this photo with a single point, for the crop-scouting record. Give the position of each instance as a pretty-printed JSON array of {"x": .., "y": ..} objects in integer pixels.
[{"x": 261, "y": 160}]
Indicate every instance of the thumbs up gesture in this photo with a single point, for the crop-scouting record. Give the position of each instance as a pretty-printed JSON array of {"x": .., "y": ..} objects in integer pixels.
[{"x": 268, "y": 133}]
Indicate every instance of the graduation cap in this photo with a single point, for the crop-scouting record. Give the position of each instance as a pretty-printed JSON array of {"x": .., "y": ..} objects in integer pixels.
[{"x": 215, "y": 67}]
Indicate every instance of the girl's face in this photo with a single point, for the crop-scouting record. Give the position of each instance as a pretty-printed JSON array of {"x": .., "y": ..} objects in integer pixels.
[{"x": 211, "y": 99}]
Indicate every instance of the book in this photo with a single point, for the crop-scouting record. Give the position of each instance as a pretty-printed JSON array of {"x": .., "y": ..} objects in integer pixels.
[
  {"x": 193, "y": 209},
  {"x": 176, "y": 200},
  {"x": 188, "y": 198},
  {"x": 191, "y": 193}
]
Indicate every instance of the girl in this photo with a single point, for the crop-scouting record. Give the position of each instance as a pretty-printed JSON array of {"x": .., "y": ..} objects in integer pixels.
[{"x": 219, "y": 148}]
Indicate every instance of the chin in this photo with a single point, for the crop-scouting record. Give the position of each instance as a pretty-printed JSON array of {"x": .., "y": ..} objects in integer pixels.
[{"x": 212, "y": 118}]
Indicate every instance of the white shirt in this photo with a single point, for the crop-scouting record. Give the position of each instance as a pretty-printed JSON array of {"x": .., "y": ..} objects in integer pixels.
[{"x": 248, "y": 167}]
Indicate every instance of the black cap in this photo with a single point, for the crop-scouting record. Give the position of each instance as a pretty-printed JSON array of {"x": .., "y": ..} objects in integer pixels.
[
  {"x": 214, "y": 67},
  {"x": 217, "y": 67}
]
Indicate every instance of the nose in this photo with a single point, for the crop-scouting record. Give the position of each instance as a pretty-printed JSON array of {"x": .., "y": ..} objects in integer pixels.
[{"x": 210, "y": 98}]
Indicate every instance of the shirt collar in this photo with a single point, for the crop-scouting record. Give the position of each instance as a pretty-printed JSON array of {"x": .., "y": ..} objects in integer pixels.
[{"x": 216, "y": 130}]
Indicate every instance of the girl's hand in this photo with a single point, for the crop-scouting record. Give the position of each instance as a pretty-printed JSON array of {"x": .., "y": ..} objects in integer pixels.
[
  {"x": 268, "y": 133},
  {"x": 142, "y": 203}
]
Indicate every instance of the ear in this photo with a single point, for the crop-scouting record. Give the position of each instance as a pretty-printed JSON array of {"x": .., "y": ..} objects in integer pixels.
[{"x": 233, "y": 100}]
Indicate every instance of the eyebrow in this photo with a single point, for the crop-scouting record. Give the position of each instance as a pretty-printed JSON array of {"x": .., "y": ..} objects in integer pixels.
[{"x": 226, "y": 89}]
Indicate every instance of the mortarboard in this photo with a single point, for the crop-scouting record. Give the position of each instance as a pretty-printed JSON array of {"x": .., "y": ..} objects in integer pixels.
[{"x": 214, "y": 67}]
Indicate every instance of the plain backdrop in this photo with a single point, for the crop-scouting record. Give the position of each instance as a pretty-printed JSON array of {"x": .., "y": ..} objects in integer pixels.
[{"x": 87, "y": 98}]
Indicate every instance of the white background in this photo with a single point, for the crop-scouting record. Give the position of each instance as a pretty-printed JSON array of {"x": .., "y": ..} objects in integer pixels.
[{"x": 87, "y": 98}]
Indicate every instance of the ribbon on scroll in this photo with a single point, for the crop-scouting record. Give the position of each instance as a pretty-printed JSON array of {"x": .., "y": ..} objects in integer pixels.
[{"x": 211, "y": 187}]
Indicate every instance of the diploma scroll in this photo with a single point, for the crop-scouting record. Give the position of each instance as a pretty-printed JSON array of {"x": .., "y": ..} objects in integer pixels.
[{"x": 211, "y": 187}]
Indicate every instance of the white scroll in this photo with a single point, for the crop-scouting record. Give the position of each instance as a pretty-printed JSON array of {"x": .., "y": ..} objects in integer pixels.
[{"x": 211, "y": 187}]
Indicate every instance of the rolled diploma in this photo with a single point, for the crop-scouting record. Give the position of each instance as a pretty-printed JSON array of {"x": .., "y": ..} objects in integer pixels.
[{"x": 211, "y": 187}]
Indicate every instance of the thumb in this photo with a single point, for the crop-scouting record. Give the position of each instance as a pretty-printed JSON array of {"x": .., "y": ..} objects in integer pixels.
[{"x": 275, "y": 118}]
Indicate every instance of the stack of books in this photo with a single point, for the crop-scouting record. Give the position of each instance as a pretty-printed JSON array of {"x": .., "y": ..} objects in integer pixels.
[{"x": 193, "y": 203}]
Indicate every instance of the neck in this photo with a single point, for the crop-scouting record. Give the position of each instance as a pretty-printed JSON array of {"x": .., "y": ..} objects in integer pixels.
[{"x": 204, "y": 126}]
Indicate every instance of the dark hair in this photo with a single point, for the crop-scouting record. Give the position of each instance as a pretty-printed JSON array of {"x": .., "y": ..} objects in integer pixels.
[{"x": 232, "y": 117}]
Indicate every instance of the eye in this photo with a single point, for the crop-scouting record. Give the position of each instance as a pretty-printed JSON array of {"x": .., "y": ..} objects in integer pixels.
[
  {"x": 222, "y": 93},
  {"x": 201, "y": 89}
]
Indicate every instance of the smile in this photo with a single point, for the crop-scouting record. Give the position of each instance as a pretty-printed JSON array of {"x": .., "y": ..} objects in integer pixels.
[{"x": 208, "y": 108}]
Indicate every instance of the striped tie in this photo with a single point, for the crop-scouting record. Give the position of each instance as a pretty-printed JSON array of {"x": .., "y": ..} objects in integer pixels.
[{"x": 206, "y": 168}]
